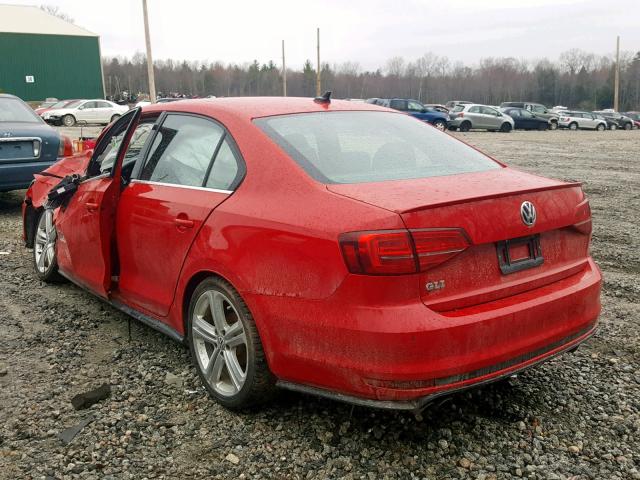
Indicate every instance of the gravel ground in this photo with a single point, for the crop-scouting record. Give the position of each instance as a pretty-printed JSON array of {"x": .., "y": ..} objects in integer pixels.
[{"x": 575, "y": 417}]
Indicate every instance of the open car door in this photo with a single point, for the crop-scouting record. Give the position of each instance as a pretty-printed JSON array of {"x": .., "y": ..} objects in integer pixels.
[{"x": 85, "y": 225}]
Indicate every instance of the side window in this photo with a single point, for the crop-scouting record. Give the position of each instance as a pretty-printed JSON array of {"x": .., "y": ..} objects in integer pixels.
[
  {"x": 527, "y": 114},
  {"x": 102, "y": 105},
  {"x": 513, "y": 113},
  {"x": 225, "y": 168},
  {"x": 414, "y": 106},
  {"x": 88, "y": 105},
  {"x": 539, "y": 109},
  {"x": 398, "y": 104},
  {"x": 489, "y": 111},
  {"x": 106, "y": 152},
  {"x": 138, "y": 139},
  {"x": 182, "y": 151},
  {"x": 474, "y": 109}
]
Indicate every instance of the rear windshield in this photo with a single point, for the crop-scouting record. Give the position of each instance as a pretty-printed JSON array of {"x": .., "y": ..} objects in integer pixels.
[
  {"x": 14, "y": 110},
  {"x": 458, "y": 108},
  {"x": 359, "y": 147}
]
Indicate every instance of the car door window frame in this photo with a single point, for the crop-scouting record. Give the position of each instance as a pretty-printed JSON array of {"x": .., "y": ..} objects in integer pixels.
[
  {"x": 106, "y": 138},
  {"x": 142, "y": 159}
]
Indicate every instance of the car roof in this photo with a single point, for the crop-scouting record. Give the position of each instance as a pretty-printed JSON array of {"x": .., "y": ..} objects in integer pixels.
[
  {"x": 7, "y": 95},
  {"x": 248, "y": 108}
]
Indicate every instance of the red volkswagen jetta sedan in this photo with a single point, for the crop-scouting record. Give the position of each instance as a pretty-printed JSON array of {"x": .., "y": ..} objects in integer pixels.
[{"x": 328, "y": 247}]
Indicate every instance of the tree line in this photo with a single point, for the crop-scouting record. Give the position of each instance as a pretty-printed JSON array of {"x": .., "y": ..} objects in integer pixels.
[{"x": 577, "y": 79}]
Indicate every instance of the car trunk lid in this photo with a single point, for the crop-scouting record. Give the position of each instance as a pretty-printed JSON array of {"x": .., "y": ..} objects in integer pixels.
[{"x": 487, "y": 206}]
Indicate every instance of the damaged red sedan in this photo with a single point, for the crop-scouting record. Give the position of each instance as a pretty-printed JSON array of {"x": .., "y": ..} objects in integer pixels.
[{"x": 322, "y": 246}]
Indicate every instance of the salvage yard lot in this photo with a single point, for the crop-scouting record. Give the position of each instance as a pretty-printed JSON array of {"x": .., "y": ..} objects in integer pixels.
[{"x": 577, "y": 416}]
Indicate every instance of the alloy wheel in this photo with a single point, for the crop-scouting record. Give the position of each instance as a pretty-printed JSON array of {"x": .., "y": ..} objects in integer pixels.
[
  {"x": 440, "y": 126},
  {"x": 45, "y": 242},
  {"x": 220, "y": 343}
]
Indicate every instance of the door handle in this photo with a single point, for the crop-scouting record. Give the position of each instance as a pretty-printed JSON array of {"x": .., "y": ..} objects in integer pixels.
[
  {"x": 91, "y": 206},
  {"x": 183, "y": 222}
]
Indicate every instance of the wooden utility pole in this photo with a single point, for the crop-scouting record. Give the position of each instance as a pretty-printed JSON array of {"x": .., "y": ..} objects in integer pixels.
[
  {"x": 147, "y": 38},
  {"x": 318, "y": 86},
  {"x": 616, "y": 86},
  {"x": 284, "y": 73}
]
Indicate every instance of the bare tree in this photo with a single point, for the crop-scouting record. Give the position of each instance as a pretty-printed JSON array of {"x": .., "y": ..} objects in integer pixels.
[{"x": 56, "y": 12}]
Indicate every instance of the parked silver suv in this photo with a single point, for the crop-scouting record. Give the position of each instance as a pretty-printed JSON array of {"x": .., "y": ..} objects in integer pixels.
[{"x": 483, "y": 117}]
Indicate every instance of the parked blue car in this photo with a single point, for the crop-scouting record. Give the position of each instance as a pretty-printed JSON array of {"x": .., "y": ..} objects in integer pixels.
[
  {"x": 27, "y": 144},
  {"x": 416, "y": 109}
]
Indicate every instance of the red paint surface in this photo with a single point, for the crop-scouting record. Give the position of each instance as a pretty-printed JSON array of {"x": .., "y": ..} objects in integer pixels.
[{"x": 276, "y": 240}]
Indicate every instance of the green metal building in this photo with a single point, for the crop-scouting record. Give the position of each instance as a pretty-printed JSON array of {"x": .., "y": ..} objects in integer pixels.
[{"x": 44, "y": 56}]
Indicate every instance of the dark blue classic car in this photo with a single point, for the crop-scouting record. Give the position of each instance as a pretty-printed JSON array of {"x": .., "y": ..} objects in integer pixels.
[
  {"x": 27, "y": 144},
  {"x": 416, "y": 109}
]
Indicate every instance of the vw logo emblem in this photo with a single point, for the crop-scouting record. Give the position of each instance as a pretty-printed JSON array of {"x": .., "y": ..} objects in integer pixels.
[{"x": 528, "y": 213}]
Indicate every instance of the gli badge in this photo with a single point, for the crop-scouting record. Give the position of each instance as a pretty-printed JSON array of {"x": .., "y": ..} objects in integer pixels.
[{"x": 435, "y": 286}]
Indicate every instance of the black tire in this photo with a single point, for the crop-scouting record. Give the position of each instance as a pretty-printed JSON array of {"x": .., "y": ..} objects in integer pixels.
[
  {"x": 440, "y": 125},
  {"x": 68, "y": 120},
  {"x": 601, "y": 127},
  {"x": 114, "y": 118},
  {"x": 259, "y": 382},
  {"x": 465, "y": 126},
  {"x": 506, "y": 127},
  {"x": 613, "y": 126},
  {"x": 628, "y": 126},
  {"x": 573, "y": 126},
  {"x": 48, "y": 270},
  {"x": 553, "y": 125}
]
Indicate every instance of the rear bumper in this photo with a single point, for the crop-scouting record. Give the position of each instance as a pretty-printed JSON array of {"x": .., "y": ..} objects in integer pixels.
[
  {"x": 15, "y": 176},
  {"x": 403, "y": 356}
]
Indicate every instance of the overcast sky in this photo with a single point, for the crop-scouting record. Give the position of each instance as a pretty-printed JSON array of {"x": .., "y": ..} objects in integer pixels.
[{"x": 365, "y": 31}]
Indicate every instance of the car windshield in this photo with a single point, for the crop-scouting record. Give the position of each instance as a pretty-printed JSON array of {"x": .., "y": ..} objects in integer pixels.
[
  {"x": 73, "y": 104},
  {"x": 359, "y": 147},
  {"x": 14, "y": 110}
]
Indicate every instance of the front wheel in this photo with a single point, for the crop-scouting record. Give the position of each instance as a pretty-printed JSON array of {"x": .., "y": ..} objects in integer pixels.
[
  {"x": 440, "y": 125},
  {"x": 68, "y": 120},
  {"x": 573, "y": 126},
  {"x": 506, "y": 127},
  {"x": 44, "y": 249},
  {"x": 226, "y": 347},
  {"x": 465, "y": 126},
  {"x": 553, "y": 125},
  {"x": 613, "y": 127},
  {"x": 600, "y": 127},
  {"x": 628, "y": 126}
]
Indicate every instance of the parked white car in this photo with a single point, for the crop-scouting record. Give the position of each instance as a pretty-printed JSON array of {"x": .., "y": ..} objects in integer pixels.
[
  {"x": 581, "y": 120},
  {"x": 87, "y": 111}
]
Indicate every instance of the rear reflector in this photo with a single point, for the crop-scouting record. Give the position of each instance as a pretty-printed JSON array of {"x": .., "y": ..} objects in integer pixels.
[{"x": 397, "y": 252}]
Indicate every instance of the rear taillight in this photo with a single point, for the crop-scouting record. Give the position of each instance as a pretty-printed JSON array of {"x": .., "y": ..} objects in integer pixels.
[
  {"x": 66, "y": 147},
  {"x": 397, "y": 252},
  {"x": 461, "y": 114},
  {"x": 436, "y": 246}
]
